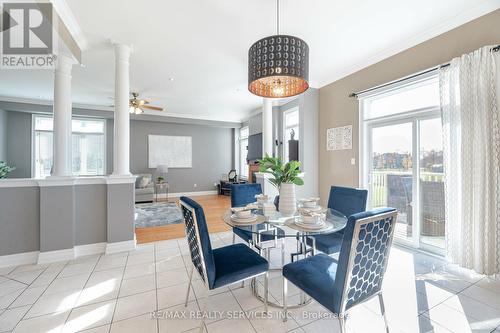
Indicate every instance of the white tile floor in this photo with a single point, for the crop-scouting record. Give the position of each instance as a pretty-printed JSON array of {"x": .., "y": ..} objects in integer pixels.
[{"x": 117, "y": 293}]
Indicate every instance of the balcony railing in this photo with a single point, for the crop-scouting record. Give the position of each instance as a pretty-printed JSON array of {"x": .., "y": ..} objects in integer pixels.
[{"x": 394, "y": 188}]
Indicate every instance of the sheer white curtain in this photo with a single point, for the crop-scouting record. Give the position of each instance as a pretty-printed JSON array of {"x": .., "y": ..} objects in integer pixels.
[{"x": 471, "y": 131}]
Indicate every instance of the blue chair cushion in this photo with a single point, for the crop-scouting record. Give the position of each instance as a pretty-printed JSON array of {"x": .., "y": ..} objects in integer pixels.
[
  {"x": 265, "y": 236},
  {"x": 315, "y": 276},
  {"x": 329, "y": 244},
  {"x": 236, "y": 262}
]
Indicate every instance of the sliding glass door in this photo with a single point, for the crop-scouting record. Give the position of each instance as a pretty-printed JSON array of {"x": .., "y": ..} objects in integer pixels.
[
  {"x": 391, "y": 172},
  {"x": 403, "y": 161}
]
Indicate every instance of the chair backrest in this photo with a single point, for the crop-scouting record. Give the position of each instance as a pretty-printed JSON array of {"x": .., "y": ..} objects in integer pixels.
[
  {"x": 243, "y": 194},
  {"x": 363, "y": 257},
  {"x": 198, "y": 240},
  {"x": 347, "y": 200}
]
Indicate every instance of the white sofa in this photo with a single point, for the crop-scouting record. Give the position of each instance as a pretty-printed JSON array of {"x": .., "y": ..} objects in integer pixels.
[{"x": 144, "y": 188}]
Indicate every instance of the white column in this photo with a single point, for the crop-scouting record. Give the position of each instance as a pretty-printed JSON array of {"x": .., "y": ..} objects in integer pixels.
[
  {"x": 267, "y": 127},
  {"x": 121, "y": 159},
  {"x": 62, "y": 117}
]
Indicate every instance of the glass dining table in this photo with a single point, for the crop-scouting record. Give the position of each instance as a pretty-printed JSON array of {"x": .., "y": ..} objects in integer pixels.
[{"x": 270, "y": 229}]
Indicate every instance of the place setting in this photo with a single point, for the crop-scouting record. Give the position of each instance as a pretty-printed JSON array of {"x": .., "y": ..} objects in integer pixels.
[
  {"x": 245, "y": 216},
  {"x": 311, "y": 216}
]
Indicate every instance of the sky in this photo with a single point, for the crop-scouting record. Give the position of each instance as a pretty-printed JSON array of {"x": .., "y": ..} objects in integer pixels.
[{"x": 398, "y": 138}]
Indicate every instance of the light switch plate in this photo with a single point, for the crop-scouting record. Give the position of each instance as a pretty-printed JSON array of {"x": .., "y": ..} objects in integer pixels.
[{"x": 353, "y": 161}]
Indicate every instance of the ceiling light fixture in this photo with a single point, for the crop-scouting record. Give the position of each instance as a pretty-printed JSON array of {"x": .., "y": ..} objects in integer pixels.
[{"x": 278, "y": 66}]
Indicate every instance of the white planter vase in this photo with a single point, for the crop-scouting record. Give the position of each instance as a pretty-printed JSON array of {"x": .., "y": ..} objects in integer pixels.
[{"x": 288, "y": 202}]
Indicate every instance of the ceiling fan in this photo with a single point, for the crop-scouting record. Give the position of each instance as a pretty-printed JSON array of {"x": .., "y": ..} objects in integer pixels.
[{"x": 138, "y": 105}]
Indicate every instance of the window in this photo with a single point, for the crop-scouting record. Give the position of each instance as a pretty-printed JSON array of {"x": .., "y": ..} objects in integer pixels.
[
  {"x": 88, "y": 150},
  {"x": 290, "y": 126},
  {"x": 243, "y": 151},
  {"x": 402, "y": 159}
]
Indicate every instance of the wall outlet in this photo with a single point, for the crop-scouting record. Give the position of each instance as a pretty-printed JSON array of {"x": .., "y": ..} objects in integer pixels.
[
  {"x": 353, "y": 161},
  {"x": 195, "y": 185}
]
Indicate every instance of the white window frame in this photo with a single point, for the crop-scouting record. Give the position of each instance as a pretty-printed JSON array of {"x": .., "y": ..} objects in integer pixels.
[
  {"x": 286, "y": 127},
  {"x": 50, "y": 116},
  {"x": 365, "y": 150},
  {"x": 240, "y": 156}
]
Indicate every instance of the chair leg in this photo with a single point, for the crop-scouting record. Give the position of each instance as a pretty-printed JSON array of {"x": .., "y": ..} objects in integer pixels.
[
  {"x": 266, "y": 291},
  {"x": 243, "y": 284},
  {"x": 285, "y": 294},
  {"x": 382, "y": 309},
  {"x": 342, "y": 323},
  {"x": 203, "y": 310},
  {"x": 189, "y": 285},
  {"x": 283, "y": 252}
]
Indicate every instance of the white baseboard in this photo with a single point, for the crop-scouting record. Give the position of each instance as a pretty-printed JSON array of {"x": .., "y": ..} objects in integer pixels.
[
  {"x": 37, "y": 257},
  {"x": 192, "y": 194},
  {"x": 17, "y": 259},
  {"x": 90, "y": 249},
  {"x": 120, "y": 246},
  {"x": 57, "y": 255}
]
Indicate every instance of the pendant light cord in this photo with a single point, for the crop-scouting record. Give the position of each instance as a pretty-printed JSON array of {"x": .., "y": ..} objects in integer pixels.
[{"x": 277, "y": 17}]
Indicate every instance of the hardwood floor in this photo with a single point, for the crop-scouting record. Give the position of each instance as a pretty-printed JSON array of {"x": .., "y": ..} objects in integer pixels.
[{"x": 214, "y": 207}]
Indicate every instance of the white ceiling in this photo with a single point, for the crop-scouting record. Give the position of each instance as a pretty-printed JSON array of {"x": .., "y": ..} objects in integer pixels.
[{"x": 203, "y": 45}]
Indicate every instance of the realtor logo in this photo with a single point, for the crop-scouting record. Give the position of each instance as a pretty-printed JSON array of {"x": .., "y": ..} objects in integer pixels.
[{"x": 27, "y": 36}]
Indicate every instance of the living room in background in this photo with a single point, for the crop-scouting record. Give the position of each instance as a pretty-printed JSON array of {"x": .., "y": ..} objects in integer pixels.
[
  {"x": 402, "y": 158},
  {"x": 88, "y": 146},
  {"x": 291, "y": 126},
  {"x": 243, "y": 152}
]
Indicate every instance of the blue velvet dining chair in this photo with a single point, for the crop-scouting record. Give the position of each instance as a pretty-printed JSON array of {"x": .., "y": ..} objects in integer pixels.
[
  {"x": 222, "y": 266},
  {"x": 242, "y": 195},
  {"x": 347, "y": 201},
  {"x": 358, "y": 274}
]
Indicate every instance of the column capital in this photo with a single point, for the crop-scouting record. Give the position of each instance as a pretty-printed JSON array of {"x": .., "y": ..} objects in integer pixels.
[
  {"x": 123, "y": 51},
  {"x": 64, "y": 64}
]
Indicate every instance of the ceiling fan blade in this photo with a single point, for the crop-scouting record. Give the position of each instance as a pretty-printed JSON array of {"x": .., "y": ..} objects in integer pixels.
[{"x": 151, "y": 107}]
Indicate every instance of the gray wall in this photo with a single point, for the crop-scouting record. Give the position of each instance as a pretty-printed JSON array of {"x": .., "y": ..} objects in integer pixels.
[
  {"x": 19, "y": 144},
  {"x": 212, "y": 153},
  {"x": 3, "y": 135},
  {"x": 90, "y": 214},
  {"x": 57, "y": 218},
  {"x": 50, "y": 218},
  {"x": 213, "y": 150},
  {"x": 19, "y": 220},
  {"x": 120, "y": 212}
]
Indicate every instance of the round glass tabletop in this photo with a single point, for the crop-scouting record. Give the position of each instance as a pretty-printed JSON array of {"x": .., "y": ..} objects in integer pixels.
[{"x": 289, "y": 226}]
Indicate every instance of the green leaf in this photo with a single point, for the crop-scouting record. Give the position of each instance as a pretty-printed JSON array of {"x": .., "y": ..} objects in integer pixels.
[{"x": 298, "y": 181}]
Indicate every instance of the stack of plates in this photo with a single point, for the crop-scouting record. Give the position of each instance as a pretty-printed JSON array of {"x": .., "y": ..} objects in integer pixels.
[
  {"x": 311, "y": 226},
  {"x": 237, "y": 219}
]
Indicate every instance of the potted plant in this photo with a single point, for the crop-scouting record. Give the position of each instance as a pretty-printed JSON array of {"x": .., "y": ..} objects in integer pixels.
[
  {"x": 5, "y": 169},
  {"x": 285, "y": 177},
  {"x": 160, "y": 180}
]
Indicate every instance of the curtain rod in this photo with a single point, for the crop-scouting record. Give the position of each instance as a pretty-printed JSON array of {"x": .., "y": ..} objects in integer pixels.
[{"x": 430, "y": 70}]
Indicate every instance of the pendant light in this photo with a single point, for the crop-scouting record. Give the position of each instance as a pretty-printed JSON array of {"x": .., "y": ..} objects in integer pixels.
[{"x": 278, "y": 66}]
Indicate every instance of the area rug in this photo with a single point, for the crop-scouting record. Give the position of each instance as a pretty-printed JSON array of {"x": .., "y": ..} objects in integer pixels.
[{"x": 157, "y": 214}]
